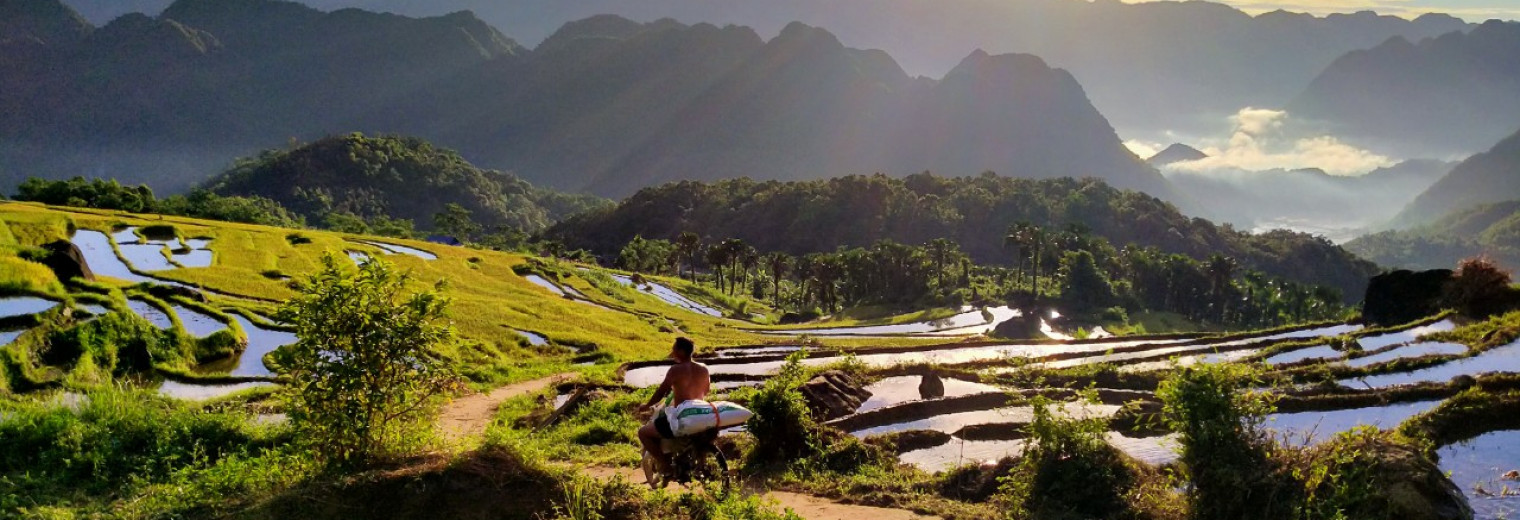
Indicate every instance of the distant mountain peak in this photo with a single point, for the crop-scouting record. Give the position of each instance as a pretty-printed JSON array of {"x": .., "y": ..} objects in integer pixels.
[{"x": 1176, "y": 153}]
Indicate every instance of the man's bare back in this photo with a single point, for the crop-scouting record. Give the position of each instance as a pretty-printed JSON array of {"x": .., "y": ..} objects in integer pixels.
[{"x": 688, "y": 381}]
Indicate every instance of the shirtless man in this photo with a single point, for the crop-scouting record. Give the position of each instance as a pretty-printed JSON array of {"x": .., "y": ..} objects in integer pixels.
[{"x": 688, "y": 380}]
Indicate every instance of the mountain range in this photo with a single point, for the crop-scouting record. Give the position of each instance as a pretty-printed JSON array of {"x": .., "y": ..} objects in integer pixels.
[
  {"x": 1456, "y": 92},
  {"x": 1486, "y": 178},
  {"x": 1149, "y": 66},
  {"x": 605, "y": 105}
]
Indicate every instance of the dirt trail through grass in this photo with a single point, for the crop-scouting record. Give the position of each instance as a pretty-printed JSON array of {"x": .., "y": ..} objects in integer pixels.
[
  {"x": 468, "y": 416},
  {"x": 806, "y": 506}
]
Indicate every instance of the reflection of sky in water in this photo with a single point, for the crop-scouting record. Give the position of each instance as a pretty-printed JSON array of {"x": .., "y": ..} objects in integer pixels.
[
  {"x": 9, "y": 336},
  {"x": 1499, "y": 359},
  {"x": 953, "y": 422},
  {"x": 402, "y": 250},
  {"x": 155, "y": 316},
  {"x": 261, "y": 341},
  {"x": 22, "y": 306},
  {"x": 959, "y": 452},
  {"x": 146, "y": 257},
  {"x": 1321, "y": 426},
  {"x": 1156, "y": 451},
  {"x": 967, "y": 323},
  {"x": 195, "y": 392},
  {"x": 901, "y": 389},
  {"x": 1482, "y": 462},
  {"x": 1385, "y": 340},
  {"x": 94, "y": 308},
  {"x": 541, "y": 282},
  {"x": 1412, "y": 351},
  {"x": 196, "y": 258},
  {"x": 197, "y": 324},
  {"x": 534, "y": 339},
  {"x": 1320, "y": 352},
  {"x": 125, "y": 236}
]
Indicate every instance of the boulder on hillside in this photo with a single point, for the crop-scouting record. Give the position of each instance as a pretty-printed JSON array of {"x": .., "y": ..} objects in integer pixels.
[
  {"x": 1019, "y": 327},
  {"x": 67, "y": 261},
  {"x": 1414, "y": 487},
  {"x": 931, "y": 387},
  {"x": 834, "y": 394},
  {"x": 1404, "y": 296}
]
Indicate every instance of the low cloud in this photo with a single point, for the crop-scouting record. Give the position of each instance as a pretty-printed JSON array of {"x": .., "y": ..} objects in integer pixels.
[
  {"x": 1143, "y": 149},
  {"x": 1261, "y": 141}
]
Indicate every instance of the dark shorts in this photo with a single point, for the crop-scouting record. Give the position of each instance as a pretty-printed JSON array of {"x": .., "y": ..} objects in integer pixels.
[{"x": 662, "y": 425}]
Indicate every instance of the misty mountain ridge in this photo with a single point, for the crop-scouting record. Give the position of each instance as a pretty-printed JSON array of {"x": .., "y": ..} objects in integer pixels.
[
  {"x": 1455, "y": 93},
  {"x": 1159, "y": 66},
  {"x": 1489, "y": 177},
  {"x": 1491, "y": 230},
  {"x": 1176, "y": 153},
  {"x": 606, "y": 105}
]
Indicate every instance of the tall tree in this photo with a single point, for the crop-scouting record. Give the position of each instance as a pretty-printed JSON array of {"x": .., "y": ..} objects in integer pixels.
[
  {"x": 717, "y": 258},
  {"x": 943, "y": 251},
  {"x": 688, "y": 246},
  {"x": 777, "y": 263}
]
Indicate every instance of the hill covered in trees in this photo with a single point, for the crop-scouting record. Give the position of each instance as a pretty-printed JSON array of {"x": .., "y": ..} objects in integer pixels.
[
  {"x": 1492, "y": 230},
  {"x": 977, "y": 213},
  {"x": 1485, "y": 178},
  {"x": 605, "y": 105},
  {"x": 388, "y": 177}
]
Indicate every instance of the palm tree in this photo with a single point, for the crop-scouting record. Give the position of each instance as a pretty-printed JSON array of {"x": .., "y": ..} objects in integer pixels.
[
  {"x": 1017, "y": 238},
  {"x": 1220, "y": 271},
  {"x": 717, "y": 257},
  {"x": 778, "y": 263},
  {"x": 688, "y": 245},
  {"x": 942, "y": 250}
]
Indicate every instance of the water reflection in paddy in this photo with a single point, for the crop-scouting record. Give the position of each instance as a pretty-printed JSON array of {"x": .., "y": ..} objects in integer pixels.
[
  {"x": 1316, "y": 427},
  {"x": 22, "y": 306},
  {"x": 959, "y": 452},
  {"x": 125, "y": 236},
  {"x": 261, "y": 341},
  {"x": 541, "y": 282},
  {"x": 897, "y": 390},
  {"x": 1499, "y": 359},
  {"x": 1304, "y": 354},
  {"x": 1156, "y": 451},
  {"x": 155, "y": 316},
  {"x": 1395, "y": 338},
  {"x": 196, "y": 323},
  {"x": 1411, "y": 351},
  {"x": 9, "y": 336},
  {"x": 146, "y": 257},
  {"x": 1480, "y": 464},
  {"x": 953, "y": 422},
  {"x": 402, "y": 250},
  {"x": 96, "y": 248},
  {"x": 196, "y": 392},
  {"x": 534, "y": 339},
  {"x": 96, "y": 309},
  {"x": 969, "y": 322}
]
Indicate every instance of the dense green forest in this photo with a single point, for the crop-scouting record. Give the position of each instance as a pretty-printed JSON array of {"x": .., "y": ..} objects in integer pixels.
[
  {"x": 351, "y": 178},
  {"x": 109, "y": 194},
  {"x": 975, "y": 213},
  {"x": 1490, "y": 229}
]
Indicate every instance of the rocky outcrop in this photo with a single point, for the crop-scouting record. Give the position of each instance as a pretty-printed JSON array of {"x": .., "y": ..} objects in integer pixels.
[
  {"x": 1404, "y": 296},
  {"x": 1019, "y": 327},
  {"x": 834, "y": 394},
  {"x": 67, "y": 261},
  {"x": 1415, "y": 488},
  {"x": 931, "y": 387}
]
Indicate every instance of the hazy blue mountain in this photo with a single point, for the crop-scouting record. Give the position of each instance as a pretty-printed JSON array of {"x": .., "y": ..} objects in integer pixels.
[
  {"x": 605, "y": 105},
  {"x": 1148, "y": 66},
  {"x": 1489, "y": 177},
  {"x": 1454, "y": 93}
]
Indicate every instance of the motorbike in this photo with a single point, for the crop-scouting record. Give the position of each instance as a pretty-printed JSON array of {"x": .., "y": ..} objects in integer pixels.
[{"x": 693, "y": 458}]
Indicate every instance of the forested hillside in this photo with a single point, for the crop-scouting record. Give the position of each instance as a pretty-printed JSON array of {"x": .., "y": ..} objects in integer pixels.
[
  {"x": 976, "y": 212},
  {"x": 1489, "y": 229},
  {"x": 1489, "y": 177},
  {"x": 376, "y": 178}
]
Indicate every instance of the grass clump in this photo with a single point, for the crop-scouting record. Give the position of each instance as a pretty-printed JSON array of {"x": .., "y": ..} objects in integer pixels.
[{"x": 1069, "y": 471}]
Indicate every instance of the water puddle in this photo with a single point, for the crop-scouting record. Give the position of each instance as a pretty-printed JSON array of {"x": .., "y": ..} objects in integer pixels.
[
  {"x": 954, "y": 422},
  {"x": 893, "y": 391},
  {"x": 155, "y": 316},
  {"x": 198, "y": 392},
  {"x": 196, "y": 323},
  {"x": 359, "y": 258},
  {"x": 969, "y": 322},
  {"x": 1478, "y": 467},
  {"x": 1396, "y": 338},
  {"x": 959, "y": 452},
  {"x": 25, "y": 305},
  {"x": 1411, "y": 351},
  {"x": 401, "y": 250},
  {"x": 1156, "y": 451},
  {"x": 1304, "y": 354},
  {"x": 534, "y": 339},
  {"x": 146, "y": 257},
  {"x": 96, "y": 309},
  {"x": 541, "y": 282},
  {"x": 1500, "y": 359},
  {"x": 1304, "y": 428}
]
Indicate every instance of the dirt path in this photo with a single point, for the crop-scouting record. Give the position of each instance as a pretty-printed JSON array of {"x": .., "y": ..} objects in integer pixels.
[
  {"x": 806, "y": 506},
  {"x": 468, "y": 416}
]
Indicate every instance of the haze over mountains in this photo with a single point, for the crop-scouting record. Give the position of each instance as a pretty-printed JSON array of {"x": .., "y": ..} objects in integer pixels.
[
  {"x": 605, "y": 105},
  {"x": 1149, "y": 67}
]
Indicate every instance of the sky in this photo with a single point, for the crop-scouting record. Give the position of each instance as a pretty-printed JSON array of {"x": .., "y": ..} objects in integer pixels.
[{"x": 1471, "y": 10}]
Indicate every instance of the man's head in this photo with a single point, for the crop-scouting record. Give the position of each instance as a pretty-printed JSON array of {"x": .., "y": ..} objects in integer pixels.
[{"x": 682, "y": 350}]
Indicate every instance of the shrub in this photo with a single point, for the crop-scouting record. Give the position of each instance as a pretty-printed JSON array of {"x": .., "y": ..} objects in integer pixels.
[
  {"x": 1224, "y": 448},
  {"x": 783, "y": 427},
  {"x": 1479, "y": 288},
  {"x": 365, "y": 373},
  {"x": 1068, "y": 470}
]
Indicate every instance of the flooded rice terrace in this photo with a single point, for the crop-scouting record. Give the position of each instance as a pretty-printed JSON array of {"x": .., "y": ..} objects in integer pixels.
[
  {"x": 668, "y": 295},
  {"x": 1478, "y": 466},
  {"x": 1499, "y": 359},
  {"x": 969, "y": 322}
]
